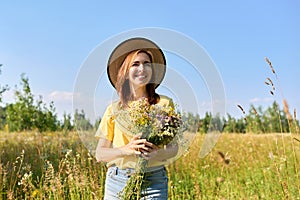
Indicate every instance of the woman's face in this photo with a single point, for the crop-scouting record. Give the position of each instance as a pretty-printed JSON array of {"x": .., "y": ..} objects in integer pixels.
[{"x": 140, "y": 72}]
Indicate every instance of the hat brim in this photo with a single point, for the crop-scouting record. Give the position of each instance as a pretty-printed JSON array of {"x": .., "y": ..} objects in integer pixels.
[{"x": 119, "y": 54}]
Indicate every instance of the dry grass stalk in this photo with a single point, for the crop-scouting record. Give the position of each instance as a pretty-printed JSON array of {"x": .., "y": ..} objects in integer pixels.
[
  {"x": 295, "y": 121},
  {"x": 220, "y": 179},
  {"x": 270, "y": 64},
  {"x": 273, "y": 71},
  {"x": 286, "y": 109},
  {"x": 270, "y": 81},
  {"x": 224, "y": 157},
  {"x": 254, "y": 110},
  {"x": 241, "y": 108}
]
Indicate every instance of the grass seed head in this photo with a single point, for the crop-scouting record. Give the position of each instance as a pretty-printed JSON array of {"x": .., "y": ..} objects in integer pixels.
[
  {"x": 254, "y": 110},
  {"x": 286, "y": 109},
  {"x": 241, "y": 108},
  {"x": 270, "y": 64},
  {"x": 224, "y": 157},
  {"x": 220, "y": 179},
  {"x": 270, "y": 81}
]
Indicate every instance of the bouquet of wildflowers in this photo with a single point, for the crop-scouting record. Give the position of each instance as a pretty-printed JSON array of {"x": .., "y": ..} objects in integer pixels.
[{"x": 158, "y": 124}]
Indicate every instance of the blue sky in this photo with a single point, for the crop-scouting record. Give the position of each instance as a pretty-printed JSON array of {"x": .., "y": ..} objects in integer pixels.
[{"x": 50, "y": 41}]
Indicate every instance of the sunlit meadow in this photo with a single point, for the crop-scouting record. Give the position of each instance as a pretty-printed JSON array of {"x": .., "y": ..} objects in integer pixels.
[{"x": 241, "y": 166}]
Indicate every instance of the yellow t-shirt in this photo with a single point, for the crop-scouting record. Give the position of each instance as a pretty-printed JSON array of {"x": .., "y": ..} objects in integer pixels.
[{"x": 110, "y": 131}]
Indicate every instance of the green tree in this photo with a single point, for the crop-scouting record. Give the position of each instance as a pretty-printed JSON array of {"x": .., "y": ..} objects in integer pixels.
[
  {"x": 45, "y": 117},
  {"x": 230, "y": 124},
  {"x": 81, "y": 122},
  {"x": 275, "y": 120},
  {"x": 216, "y": 123},
  {"x": 19, "y": 114},
  {"x": 190, "y": 122},
  {"x": 204, "y": 123},
  {"x": 97, "y": 123},
  {"x": 66, "y": 124},
  {"x": 2, "y": 117},
  {"x": 25, "y": 114},
  {"x": 254, "y": 120},
  {"x": 240, "y": 125},
  {"x": 233, "y": 125},
  {"x": 2, "y": 88},
  {"x": 2, "y": 109}
]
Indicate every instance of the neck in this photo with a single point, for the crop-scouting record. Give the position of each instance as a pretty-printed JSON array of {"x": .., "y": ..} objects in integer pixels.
[{"x": 139, "y": 92}]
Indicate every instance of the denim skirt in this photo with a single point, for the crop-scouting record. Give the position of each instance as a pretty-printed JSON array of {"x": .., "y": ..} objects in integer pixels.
[{"x": 156, "y": 187}]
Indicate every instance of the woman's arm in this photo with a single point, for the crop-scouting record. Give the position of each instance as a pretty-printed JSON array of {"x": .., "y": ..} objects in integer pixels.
[{"x": 104, "y": 151}]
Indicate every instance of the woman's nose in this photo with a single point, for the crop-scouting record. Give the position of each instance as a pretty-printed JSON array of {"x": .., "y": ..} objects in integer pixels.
[{"x": 141, "y": 67}]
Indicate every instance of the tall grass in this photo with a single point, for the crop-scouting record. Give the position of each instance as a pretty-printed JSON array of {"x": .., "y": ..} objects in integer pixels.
[
  {"x": 241, "y": 166},
  {"x": 48, "y": 166}
]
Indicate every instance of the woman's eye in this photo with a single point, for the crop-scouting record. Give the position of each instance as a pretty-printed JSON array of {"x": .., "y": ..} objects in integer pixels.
[
  {"x": 138, "y": 64},
  {"x": 147, "y": 64}
]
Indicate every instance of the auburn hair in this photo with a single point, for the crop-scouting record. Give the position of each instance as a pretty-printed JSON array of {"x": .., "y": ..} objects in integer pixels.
[{"x": 122, "y": 84}]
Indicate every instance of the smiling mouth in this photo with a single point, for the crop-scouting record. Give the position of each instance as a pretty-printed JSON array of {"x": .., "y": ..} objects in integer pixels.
[{"x": 140, "y": 76}]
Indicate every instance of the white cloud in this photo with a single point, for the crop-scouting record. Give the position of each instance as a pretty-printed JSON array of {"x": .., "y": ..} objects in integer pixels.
[
  {"x": 61, "y": 96},
  {"x": 62, "y": 102},
  {"x": 261, "y": 100}
]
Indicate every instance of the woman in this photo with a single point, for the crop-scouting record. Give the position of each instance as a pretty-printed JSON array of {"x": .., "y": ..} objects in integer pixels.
[{"x": 135, "y": 68}]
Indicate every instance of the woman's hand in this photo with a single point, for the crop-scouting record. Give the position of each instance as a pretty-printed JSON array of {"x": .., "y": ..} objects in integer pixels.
[
  {"x": 150, "y": 152},
  {"x": 138, "y": 146}
]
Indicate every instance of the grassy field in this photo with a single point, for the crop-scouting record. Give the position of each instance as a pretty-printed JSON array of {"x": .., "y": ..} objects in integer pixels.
[{"x": 241, "y": 166}]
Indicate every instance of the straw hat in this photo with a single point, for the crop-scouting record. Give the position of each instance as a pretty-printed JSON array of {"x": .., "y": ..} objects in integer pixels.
[{"x": 119, "y": 54}]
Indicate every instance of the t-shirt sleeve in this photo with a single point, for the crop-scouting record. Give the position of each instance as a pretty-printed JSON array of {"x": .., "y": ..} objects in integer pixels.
[{"x": 107, "y": 125}]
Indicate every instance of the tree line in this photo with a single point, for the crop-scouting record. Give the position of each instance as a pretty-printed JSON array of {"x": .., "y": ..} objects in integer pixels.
[{"x": 31, "y": 113}]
